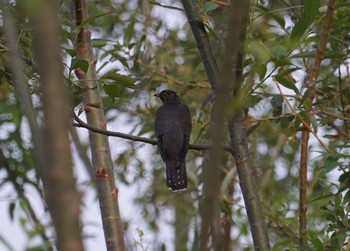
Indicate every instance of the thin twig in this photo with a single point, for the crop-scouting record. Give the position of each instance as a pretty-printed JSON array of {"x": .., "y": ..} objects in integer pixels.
[
  {"x": 305, "y": 123},
  {"x": 267, "y": 119},
  {"x": 158, "y": 73},
  {"x": 338, "y": 116}
]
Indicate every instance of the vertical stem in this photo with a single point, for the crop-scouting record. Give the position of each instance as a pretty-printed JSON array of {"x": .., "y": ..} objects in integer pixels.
[
  {"x": 303, "y": 190},
  {"x": 232, "y": 73},
  {"x": 226, "y": 223},
  {"x": 306, "y": 134},
  {"x": 61, "y": 194},
  {"x": 200, "y": 35},
  {"x": 221, "y": 83},
  {"x": 100, "y": 149}
]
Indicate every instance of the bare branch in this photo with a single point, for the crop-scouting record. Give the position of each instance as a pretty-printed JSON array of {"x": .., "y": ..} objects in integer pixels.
[{"x": 81, "y": 123}]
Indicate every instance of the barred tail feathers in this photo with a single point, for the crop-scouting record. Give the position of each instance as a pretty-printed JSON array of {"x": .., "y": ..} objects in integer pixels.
[{"x": 176, "y": 175}]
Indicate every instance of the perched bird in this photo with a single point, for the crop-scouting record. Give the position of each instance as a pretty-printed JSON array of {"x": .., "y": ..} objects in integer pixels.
[{"x": 173, "y": 127}]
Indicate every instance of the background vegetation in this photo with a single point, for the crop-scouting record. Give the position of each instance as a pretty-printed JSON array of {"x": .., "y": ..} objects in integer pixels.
[{"x": 294, "y": 96}]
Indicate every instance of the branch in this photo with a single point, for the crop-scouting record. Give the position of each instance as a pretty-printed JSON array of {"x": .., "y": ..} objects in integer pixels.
[
  {"x": 303, "y": 121},
  {"x": 62, "y": 197},
  {"x": 306, "y": 134},
  {"x": 82, "y": 152},
  {"x": 231, "y": 75},
  {"x": 198, "y": 29},
  {"x": 268, "y": 119},
  {"x": 81, "y": 123},
  {"x": 100, "y": 149},
  {"x": 232, "y": 69}
]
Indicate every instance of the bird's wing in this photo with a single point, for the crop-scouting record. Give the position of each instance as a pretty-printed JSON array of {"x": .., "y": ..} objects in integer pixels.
[
  {"x": 184, "y": 118},
  {"x": 160, "y": 121},
  {"x": 186, "y": 124},
  {"x": 159, "y": 125}
]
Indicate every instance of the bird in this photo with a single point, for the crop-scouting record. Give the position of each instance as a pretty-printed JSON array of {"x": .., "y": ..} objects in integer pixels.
[{"x": 173, "y": 125}]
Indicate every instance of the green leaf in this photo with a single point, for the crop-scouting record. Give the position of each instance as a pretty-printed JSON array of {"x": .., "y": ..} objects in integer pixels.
[
  {"x": 88, "y": 20},
  {"x": 312, "y": 54},
  {"x": 305, "y": 102},
  {"x": 71, "y": 52},
  {"x": 271, "y": 14},
  {"x": 286, "y": 83},
  {"x": 248, "y": 62},
  {"x": 261, "y": 71},
  {"x": 210, "y": 6},
  {"x": 277, "y": 104},
  {"x": 129, "y": 32},
  {"x": 285, "y": 72},
  {"x": 347, "y": 197},
  {"x": 279, "y": 51},
  {"x": 114, "y": 91},
  {"x": 345, "y": 177},
  {"x": 316, "y": 242},
  {"x": 326, "y": 196},
  {"x": 308, "y": 117},
  {"x": 36, "y": 248},
  {"x": 165, "y": 6},
  {"x": 123, "y": 80},
  {"x": 99, "y": 42},
  {"x": 79, "y": 63},
  {"x": 337, "y": 240},
  {"x": 307, "y": 18},
  {"x": 12, "y": 207},
  {"x": 252, "y": 129},
  {"x": 331, "y": 162},
  {"x": 199, "y": 68}
]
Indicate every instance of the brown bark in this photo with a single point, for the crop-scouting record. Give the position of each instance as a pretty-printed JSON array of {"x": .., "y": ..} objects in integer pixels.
[
  {"x": 59, "y": 184},
  {"x": 306, "y": 134},
  {"x": 100, "y": 150},
  {"x": 227, "y": 87}
]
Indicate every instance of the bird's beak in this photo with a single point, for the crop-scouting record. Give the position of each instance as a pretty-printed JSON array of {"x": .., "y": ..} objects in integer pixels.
[{"x": 156, "y": 95}]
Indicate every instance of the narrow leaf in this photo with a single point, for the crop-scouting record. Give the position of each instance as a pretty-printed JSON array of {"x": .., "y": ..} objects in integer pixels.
[
  {"x": 129, "y": 32},
  {"x": 165, "y": 6},
  {"x": 286, "y": 83},
  {"x": 123, "y": 80},
  {"x": 312, "y": 54},
  {"x": 71, "y": 52},
  {"x": 310, "y": 12},
  {"x": 88, "y": 20},
  {"x": 99, "y": 42},
  {"x": 261, "y": 71},
  {"x": 79, "y": 63},
  {"x": 210, "y": 6},
  {"x": 113, "y": 91},
  {"x": 12, "y": 210}
]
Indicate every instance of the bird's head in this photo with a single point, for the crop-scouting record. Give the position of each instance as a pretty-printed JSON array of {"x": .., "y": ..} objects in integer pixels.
[{"x": 167, "y": 96}]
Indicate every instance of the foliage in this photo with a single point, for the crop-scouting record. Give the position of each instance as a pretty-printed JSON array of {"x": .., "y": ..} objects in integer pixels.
[{"x": 138, "y": 53}]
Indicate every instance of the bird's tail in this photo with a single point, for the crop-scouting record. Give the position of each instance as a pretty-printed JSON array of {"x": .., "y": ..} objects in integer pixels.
[{"x": 176, "y": 176}]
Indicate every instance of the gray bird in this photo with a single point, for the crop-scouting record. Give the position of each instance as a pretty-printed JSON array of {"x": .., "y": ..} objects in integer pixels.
[{"x": 173, "y": 127}]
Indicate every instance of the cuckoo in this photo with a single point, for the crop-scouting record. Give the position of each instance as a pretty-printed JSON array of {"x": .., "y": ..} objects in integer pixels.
[{"x": 173, "y": 127}]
